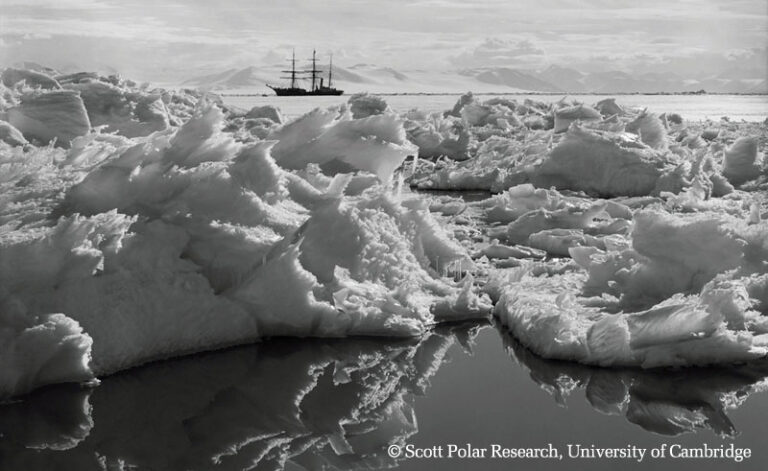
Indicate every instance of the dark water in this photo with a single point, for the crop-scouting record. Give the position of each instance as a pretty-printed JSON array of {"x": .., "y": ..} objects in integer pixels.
[
  {"x": 338, "y": 404},
  {"x": 517, "y": 399}
]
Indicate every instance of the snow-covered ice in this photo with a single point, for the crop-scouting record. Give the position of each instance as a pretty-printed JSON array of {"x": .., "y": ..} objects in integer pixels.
[
  {"x": 139, "y": 224},
  {"x": 122, "y": 250}
]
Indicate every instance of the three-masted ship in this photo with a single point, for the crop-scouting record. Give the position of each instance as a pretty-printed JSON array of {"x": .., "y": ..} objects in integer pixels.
[{"x": 318, "y": 87}]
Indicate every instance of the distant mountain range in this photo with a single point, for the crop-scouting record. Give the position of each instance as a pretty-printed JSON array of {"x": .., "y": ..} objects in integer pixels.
[{"x": 554, "y": 79}]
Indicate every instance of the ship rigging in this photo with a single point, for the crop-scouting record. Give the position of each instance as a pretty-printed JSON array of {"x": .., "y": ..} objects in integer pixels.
[{"x": 317, "y": 87}]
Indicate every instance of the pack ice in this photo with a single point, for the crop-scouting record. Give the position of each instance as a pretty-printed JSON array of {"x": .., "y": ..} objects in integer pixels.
[
  {"x": 617, "y": 237},
  {"x": 604, "y": 151},
  {"x": 670, "y": 271},
  {"x": 139, "y": 224}
]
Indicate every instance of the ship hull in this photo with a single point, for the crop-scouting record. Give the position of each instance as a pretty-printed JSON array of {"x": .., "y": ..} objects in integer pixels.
[{"x": 303, "y": 92}]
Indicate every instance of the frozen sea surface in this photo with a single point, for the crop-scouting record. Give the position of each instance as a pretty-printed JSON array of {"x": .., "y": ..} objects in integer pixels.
[
  {"x": 337, "y": 404},
  {"x": 692, "y": 107}
]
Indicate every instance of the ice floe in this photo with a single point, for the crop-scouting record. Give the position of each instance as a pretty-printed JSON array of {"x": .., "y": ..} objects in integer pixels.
[{"x": 687, "y": 291}]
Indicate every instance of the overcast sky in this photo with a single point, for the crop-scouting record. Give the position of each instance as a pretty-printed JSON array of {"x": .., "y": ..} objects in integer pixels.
[{"x": 157, "y": 40}]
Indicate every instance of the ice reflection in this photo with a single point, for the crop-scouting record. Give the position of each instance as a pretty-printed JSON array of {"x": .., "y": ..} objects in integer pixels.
[
  {"x": 663, "y": 401},
  {"x": 324, "y": 404},
  {"x": 283, "y": 404}
]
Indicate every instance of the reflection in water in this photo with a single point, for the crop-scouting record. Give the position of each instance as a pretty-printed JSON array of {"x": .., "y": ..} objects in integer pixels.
[
  {"x": 663, "y": 401},
  {"x": 294, "y": 404},
  {"x": 318, "y": 404}
]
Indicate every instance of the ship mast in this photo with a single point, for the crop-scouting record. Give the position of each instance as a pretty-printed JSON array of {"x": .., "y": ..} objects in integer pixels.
[
  {"x": 314, "y": 70},
  {"x": 330, "y": 72},
  {"x": 292, "y": 71}
]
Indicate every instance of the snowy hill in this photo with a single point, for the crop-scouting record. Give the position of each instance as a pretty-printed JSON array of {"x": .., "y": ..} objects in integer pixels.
[
  {"x": 513, "y": 78},
  {"x": 564, "y": 78},
  {"x": 553, "y": 79},
  {"x": 357, "y": 78},
  {"x": 231, "y": 78},
  {"x": 616, "y": 81}
]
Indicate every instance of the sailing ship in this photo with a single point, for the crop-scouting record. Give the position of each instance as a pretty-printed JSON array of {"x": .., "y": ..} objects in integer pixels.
[{"x": 318, "y": 86}]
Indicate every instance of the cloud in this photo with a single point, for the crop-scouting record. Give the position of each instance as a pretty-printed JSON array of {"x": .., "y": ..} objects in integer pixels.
[
  {"x": 148, "y": 30},
  {"x": 495, "y": 52},
  {"x": 688, "y": 63},
  {"x": 154, "y": 38},
  {"x": 58, "y": 4}
]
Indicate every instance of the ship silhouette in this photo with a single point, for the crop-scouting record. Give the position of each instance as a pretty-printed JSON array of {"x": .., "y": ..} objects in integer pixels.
[{"x": 318, "y": 86}]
